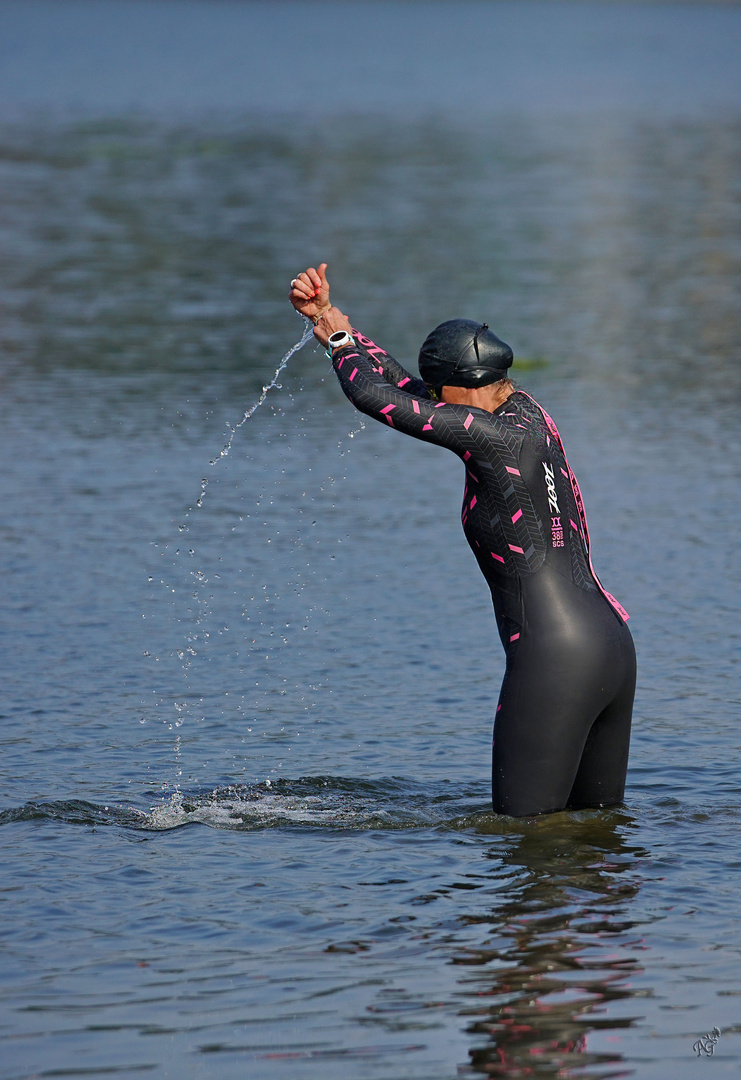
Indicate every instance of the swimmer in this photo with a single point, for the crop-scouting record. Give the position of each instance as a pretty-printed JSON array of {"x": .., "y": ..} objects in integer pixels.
[{"x": 562, "y": 722}]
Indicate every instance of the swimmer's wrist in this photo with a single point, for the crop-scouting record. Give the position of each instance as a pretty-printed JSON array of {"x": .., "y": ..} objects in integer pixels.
[{"x": 338, "y": 341}]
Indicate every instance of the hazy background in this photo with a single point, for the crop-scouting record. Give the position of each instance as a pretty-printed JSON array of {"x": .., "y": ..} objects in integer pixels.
[{"x": 245, "y": 747}]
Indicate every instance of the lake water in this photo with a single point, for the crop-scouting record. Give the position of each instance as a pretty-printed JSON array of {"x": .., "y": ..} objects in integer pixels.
[{"x": 245, "y": 745}]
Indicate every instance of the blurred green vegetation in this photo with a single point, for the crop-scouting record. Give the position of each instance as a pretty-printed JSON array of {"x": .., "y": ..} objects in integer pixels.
[{"x": 133, "y": 246}]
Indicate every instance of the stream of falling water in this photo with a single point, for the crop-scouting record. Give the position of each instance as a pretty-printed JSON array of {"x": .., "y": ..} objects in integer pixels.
[
  {"x": 272, "y": 385},
  {"x": 188, "y": 652}
]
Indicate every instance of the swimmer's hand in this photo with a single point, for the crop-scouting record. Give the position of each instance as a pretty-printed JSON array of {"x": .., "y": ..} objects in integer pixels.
[
  {"x": 329, "y": 323},
  {"x": 310, "y": 292}
]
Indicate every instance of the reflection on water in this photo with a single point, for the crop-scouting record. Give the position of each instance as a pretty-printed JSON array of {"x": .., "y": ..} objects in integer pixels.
[
  {"x": 541, "y": 936},
  {"x": 178, "y": 902},
  {"x": 558, "y": 950}
]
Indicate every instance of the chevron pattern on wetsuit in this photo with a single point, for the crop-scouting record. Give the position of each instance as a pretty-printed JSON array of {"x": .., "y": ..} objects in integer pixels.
[
  {"x": 563, "y": 720},
  {"x": 519, "y": 509}
]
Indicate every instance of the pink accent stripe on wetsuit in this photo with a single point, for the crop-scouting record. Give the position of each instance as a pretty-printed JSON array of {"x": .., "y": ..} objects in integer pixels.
[
  {"x": 580, "y": 507},
  {"x": 370, "y": 346}
]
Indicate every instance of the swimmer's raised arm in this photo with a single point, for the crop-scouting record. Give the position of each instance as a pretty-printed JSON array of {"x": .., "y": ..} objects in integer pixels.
[{"x": 330, "y": 323}]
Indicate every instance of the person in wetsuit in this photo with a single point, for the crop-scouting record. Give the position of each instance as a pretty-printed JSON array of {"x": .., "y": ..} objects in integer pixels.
[{"x": 562, "y": 723}]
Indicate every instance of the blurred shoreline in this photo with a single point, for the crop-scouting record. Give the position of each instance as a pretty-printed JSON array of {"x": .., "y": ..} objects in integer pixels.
[{"x": 329, "y": 57}]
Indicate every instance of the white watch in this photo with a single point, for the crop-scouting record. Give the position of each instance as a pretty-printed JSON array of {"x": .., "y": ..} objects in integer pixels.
[{"x": 338, "y": 340}]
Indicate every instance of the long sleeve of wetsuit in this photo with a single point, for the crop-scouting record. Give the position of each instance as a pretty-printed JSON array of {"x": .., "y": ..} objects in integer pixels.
[{"x": 379, "y": 386}]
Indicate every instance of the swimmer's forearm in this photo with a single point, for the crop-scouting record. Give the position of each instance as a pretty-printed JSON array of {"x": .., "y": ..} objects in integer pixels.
[{"x": 330, "y": 322}]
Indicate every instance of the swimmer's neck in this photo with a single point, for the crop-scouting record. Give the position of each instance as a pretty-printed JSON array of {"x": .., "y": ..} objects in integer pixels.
[{"x": 480, "y": 397}]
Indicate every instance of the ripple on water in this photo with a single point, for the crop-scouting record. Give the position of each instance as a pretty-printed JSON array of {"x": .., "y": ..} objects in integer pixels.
[{"x": 312, "y": 801}]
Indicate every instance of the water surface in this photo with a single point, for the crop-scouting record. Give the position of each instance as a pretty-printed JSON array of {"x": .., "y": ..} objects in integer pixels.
[{"x": 246, "y": 745}]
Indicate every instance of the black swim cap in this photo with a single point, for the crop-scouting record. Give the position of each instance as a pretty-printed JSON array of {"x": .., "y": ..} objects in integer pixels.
[{"x": 463, "y": 353}]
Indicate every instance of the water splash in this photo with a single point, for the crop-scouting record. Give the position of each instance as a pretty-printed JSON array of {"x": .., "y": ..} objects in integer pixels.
[
  {"x": 333, "y": 802},
  {"x": 272, "y": 385},
  {"x": 197, "y": 637},
  {"x": 350, "y": 435}
]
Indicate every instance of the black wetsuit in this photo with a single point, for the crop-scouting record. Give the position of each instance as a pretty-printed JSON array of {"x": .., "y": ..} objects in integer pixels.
[{"x": 562, "y": 724}]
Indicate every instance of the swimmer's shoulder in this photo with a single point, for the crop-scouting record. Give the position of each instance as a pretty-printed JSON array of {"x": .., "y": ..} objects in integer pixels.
[{"x": 521, "y": 413}]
